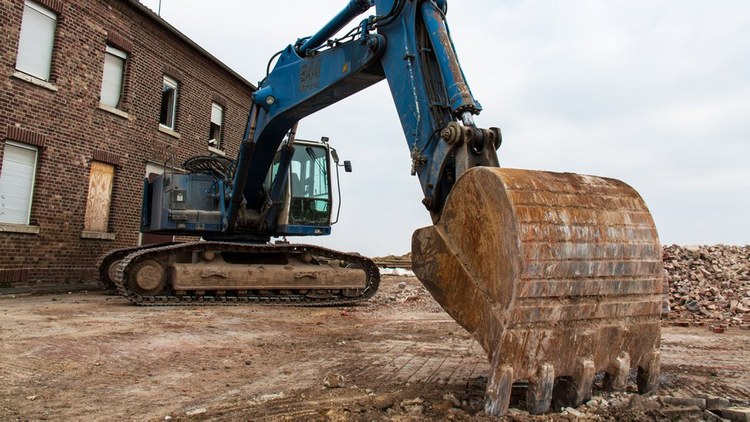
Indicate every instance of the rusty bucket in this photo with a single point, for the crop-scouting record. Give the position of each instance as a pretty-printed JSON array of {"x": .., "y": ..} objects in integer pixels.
[{"x": 557, "y": 275}]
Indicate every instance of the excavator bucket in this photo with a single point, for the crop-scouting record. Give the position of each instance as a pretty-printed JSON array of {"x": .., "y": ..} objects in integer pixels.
[{"x": 558, "y": 276}]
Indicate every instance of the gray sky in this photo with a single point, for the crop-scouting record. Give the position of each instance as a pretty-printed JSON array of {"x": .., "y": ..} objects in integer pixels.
[{"x": 655, "y": 93}]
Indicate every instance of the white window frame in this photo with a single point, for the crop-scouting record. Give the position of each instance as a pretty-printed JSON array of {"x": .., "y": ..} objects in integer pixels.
[
  {"x": 167, "y": 81},
  {"x": 217, "y": 118},
  {"x": 38, "y": 63},
  {"x": 118, "y": 54},
  {"x": 33, "y": 176}
]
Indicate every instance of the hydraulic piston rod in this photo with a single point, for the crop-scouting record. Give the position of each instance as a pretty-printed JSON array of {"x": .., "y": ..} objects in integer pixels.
[{"x": 351, "y": 11}]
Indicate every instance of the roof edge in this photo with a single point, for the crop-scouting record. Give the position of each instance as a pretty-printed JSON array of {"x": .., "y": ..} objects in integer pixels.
[{"x": 158, "y": 19}]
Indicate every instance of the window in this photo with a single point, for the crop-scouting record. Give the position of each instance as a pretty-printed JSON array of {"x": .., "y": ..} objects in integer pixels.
[
  {"x": 168, "y": 103},
  {"x": 215, "y": 133},
  {"x": 114, "y": 73},
  {"x": 100, "y": 197},
  {"x": 17, "y": 182},
  {"x": 36, "y": 40},
  {"x": 311, "y": 199}
]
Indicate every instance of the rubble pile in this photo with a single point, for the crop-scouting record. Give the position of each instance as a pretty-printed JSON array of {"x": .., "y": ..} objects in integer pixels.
[
  {"x": 394, "y": 261},
  {"x": 708, "y": 284},
  {"x": 404, "y": 291}
]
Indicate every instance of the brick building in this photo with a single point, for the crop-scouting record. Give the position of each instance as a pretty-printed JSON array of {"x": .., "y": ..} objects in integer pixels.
[{"x": 94, "y": 95}]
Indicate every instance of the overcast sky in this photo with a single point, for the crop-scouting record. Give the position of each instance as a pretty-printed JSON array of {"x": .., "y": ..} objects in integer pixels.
[{"x": 655, "y": 93}]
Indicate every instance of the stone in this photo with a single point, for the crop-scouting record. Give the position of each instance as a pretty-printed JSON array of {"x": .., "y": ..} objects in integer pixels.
[
  {"x": 675, "y": 413},
  {"x": 683, "y": 401},
  {"x": 413, "y": 406},
  {"x": 736, "y": 414},
  {"x": 198, "y": 411},
  {"x": 573, "y": 412},
  {"x": 451, "y": 398},
  {"x": 692, "y": 306},
  {"x": 335, "y": 415},
  {"x": 716, "y": 278},
  {"x": 383, "y": 402},
  {"x": 334, "y": 381},
  {"x": 716, "y": 403},
  {"x": 411, "y": 402},
  {"x": 595, "y": 401}
]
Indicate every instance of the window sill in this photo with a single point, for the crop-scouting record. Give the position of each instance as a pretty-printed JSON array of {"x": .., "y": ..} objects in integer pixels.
[
  {"x": 18, "y": 228},
  {"x": 35, "y": 81},
  {"x": 115, "y": 111},
  {"x": 97, "y": 235},
  {"x": 217, "y": 151},
  {"x": 168, "y": 131}
]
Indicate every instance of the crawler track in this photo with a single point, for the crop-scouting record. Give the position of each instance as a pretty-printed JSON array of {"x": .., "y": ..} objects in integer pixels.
[
  {"x": 324, "y": 297},
  {"x": 105, "y": 279}
]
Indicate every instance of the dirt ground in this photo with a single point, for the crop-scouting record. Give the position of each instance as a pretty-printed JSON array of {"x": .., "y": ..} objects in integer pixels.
[{"x": 87, "y": 356}]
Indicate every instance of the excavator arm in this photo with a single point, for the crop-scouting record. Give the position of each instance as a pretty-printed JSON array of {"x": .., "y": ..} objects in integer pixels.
[
  {"x": 407, "y": 43},
  {"x": 558, "y": 276}
]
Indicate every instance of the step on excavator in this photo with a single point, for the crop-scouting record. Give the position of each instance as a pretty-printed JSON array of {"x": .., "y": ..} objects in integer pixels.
[{"x": 558, "y": 276}]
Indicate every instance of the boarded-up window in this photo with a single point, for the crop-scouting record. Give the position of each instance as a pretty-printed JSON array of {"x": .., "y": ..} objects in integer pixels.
[{"x": 100, "y": 197}]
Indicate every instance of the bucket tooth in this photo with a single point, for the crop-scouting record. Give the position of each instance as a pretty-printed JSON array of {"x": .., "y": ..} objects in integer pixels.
[
  {"x": 583, "y": 382},
  {"x": 575, "y": 390},
  {"x": 648, "y": 374},
  {"x": 616, "y": 378},
  {"x": 539, "y": 394},
  {"x": 556, "y": 275},
  {"x": 499, "y": 388}
]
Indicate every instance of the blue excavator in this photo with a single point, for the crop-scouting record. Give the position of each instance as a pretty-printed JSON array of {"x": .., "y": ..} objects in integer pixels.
[{"x": 556, "y": 275}]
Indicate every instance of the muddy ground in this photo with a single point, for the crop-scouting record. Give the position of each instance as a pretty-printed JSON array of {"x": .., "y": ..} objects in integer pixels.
[{"x": 87, "y": 356}]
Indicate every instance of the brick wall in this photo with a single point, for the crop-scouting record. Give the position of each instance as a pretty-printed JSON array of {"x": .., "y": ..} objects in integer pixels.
[{"x": 71, "y": 130}]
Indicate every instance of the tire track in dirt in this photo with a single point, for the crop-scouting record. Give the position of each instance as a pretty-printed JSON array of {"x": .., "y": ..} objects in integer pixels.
[{"x": 264, "y": 363}]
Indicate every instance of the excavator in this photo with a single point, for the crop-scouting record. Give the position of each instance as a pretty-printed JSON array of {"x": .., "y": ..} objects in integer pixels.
[{"x": 558, "y": 276}]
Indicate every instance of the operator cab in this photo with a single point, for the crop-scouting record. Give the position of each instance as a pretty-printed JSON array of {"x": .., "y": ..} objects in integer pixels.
[{"x": 308, "y": 200}]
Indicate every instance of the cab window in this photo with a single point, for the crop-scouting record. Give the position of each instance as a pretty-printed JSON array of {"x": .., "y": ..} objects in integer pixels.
[{"x": 311, "y": 199}]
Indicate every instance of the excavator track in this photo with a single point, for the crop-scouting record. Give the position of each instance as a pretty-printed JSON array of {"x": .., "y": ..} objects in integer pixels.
[
  {"x": 106, "y": 263},
  {"x": 285, "y": 295}
]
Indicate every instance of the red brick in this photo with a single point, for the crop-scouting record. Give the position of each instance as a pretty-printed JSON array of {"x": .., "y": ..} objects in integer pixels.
[{"x": 71, "y": 131}]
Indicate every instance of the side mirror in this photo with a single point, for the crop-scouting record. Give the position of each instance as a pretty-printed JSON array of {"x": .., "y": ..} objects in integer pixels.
[{"x": 347, "y": 166}]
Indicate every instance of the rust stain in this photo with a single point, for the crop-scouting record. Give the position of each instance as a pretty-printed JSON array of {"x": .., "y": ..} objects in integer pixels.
[{"x": 555, "y": 274}]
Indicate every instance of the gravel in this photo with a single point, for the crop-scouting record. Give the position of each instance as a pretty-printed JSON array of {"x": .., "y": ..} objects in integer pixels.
[{"x": 708, "y": 285}]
